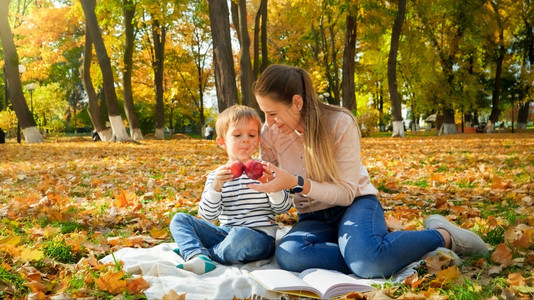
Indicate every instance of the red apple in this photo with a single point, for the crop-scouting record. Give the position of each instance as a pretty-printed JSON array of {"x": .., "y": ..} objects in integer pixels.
[
  {"x": 237, "y": 169},
  {"x": 253, "y": 169}
]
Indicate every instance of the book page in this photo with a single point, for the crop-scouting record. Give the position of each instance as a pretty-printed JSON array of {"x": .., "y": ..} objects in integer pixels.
[
  {"x": 284, "y": 281},
  {"x": 333, "y": 283}
]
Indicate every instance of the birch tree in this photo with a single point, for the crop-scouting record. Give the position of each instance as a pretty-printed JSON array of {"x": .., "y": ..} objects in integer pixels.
[
  {"x": 117, "y": 126},
  {"x": 26, "y": 121}
]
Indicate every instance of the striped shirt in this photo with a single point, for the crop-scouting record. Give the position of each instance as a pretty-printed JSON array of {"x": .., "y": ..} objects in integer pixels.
[{"x": 237, "y": 205}]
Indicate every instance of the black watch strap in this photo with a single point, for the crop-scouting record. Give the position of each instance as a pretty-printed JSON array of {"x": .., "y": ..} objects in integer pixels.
[{"x": 299, "y": 187}]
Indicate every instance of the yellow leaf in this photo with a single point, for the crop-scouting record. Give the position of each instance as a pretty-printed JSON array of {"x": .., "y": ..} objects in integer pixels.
[
  {"x": 158, "y": 234},
  {"x": 122, "y": 200},
  {"x": 438, "y": 178},
  {"x": 448, "y": 275},
  {"x": 524, "y": 289},
  {"x": 31, "y": 254},
  {"x": 10, "y": 240}
]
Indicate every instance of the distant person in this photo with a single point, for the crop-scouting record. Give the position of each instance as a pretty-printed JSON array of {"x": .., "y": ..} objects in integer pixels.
[
  {"x": 209, "y": 133},
  {"x": 2, "y": 136},
  {"x": 247, "y": 228}
]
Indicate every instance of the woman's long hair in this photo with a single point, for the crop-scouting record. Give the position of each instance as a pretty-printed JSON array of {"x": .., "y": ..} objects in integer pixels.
[{"x": 281, "y": 83}]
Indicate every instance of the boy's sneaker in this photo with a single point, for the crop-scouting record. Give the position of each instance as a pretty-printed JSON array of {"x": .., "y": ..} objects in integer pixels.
[{"x": 463, "y": 241}]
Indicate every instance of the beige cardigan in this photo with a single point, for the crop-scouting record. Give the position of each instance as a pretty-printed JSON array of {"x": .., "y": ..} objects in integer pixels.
[{"x": 287, "y": 152}]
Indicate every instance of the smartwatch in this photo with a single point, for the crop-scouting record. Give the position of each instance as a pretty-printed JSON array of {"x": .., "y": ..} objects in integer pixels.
[{"x": 299, "y": 187}]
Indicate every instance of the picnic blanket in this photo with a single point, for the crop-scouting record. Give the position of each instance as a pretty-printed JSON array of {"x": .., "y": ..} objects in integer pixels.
[{"x": 157, "y": 265}]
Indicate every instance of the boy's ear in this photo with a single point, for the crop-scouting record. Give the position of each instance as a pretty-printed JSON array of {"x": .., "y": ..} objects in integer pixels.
[{"x": 220, "y": 142}]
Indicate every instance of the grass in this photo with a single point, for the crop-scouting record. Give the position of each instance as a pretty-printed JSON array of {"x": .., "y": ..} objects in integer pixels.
[
  {"x": 13, "y": 284},
  {"x": 60, "y": 251}
]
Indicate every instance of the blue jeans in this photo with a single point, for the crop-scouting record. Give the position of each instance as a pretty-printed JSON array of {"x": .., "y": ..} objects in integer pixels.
[
  {"x": 353, "y": 239},
  {"x": 223, "y": 244}
]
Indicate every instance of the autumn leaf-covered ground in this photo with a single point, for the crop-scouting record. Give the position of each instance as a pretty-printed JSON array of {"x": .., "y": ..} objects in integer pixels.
[{"x": 66, "y": 203}]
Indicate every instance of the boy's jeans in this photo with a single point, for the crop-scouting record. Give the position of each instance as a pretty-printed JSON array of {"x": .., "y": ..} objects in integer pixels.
[
  {"x": 223, "y": 244},
  {"x": 353, "y": 239}
]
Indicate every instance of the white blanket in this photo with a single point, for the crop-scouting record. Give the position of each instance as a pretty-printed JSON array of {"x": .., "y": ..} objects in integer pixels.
[{"x": 157, "y": 265}]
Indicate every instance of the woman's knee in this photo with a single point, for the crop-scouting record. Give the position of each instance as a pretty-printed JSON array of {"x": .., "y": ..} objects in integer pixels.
[
  {"x": 371, "y": 267},
  {"x": 290, "y": 257}
]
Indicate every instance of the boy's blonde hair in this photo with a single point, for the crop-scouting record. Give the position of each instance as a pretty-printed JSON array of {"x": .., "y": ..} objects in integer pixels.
[{"x": 234, "y": 114}]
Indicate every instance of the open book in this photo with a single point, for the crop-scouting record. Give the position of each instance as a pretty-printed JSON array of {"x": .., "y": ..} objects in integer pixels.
[{"x": 313, "y": 283}]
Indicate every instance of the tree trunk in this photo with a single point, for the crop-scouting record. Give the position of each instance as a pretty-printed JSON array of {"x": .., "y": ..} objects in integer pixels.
[
  {"x": 380, "y": 107},
  {"x": 201, "y": 100},
  {"x": 225, "y": 83},
  {"x": 396, "y": 113},
  {"x": 495, "y": 111},
  {"x": 260, "y": 37},
  {"x": 26, "y": 121},
  {"x": 347, "y": 85},
  {"x": 115, "y": 119},
  {"x": 448, "y": 126},
  {"x": 333, "y": 52},
  {"x": 247, "y": 76},
  {"x": 94, "y": 110},
  {"x": 129, "y": 108},
  {"x": 522, "y": 116},
  {"x": 158, "y": 35},
  {"x": 264, "y": 48}
]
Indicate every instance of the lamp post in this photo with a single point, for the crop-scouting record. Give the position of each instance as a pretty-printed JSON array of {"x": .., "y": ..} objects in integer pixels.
[{"x": 30, "y": 87}]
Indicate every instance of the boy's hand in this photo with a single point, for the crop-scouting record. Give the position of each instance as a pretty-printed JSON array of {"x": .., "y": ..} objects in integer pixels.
[{"x": 222, "y": 175}]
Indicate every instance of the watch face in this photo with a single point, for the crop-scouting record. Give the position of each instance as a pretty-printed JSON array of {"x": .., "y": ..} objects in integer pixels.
[
  {"x": 297, "y": 189},
  {"x": 300, "y": 184}
]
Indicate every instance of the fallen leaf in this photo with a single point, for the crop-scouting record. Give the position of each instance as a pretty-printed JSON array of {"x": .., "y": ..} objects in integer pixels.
[
  {"x": 502, "y": 255},
  {"x": 516, "y": 279},
  {"x": 525, "y": 289},
  {"x": 112, "y": 282},
  {"x": 445, "y": 276},
  {"x": 31, "y": 254},
  {"x": 172, "y": 295},
  {"x": 518, "y": 236},
  {"x": 137, "y": 285},
  {"x": 159, "y": 234},
  {"x": 414, "y": 281}
]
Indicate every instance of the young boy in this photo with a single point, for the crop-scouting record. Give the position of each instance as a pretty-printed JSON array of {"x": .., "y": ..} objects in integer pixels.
[{"x": 247, "y": 227}]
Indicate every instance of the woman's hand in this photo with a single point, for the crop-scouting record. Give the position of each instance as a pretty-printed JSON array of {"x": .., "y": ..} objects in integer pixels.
[
  {"x": 282, "y": 180},
  {"x": 222, "y": 175}
]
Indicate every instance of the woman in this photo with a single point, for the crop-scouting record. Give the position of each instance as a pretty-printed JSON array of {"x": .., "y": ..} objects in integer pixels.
[{"x": 314, "y": 150}]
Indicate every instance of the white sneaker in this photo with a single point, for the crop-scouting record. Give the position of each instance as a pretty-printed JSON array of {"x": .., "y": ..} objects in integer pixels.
[{"x": 463, "y": 241}]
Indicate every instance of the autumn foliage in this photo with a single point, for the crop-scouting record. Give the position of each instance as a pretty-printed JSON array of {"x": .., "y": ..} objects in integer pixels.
[{"x": 65, "y": 204}]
